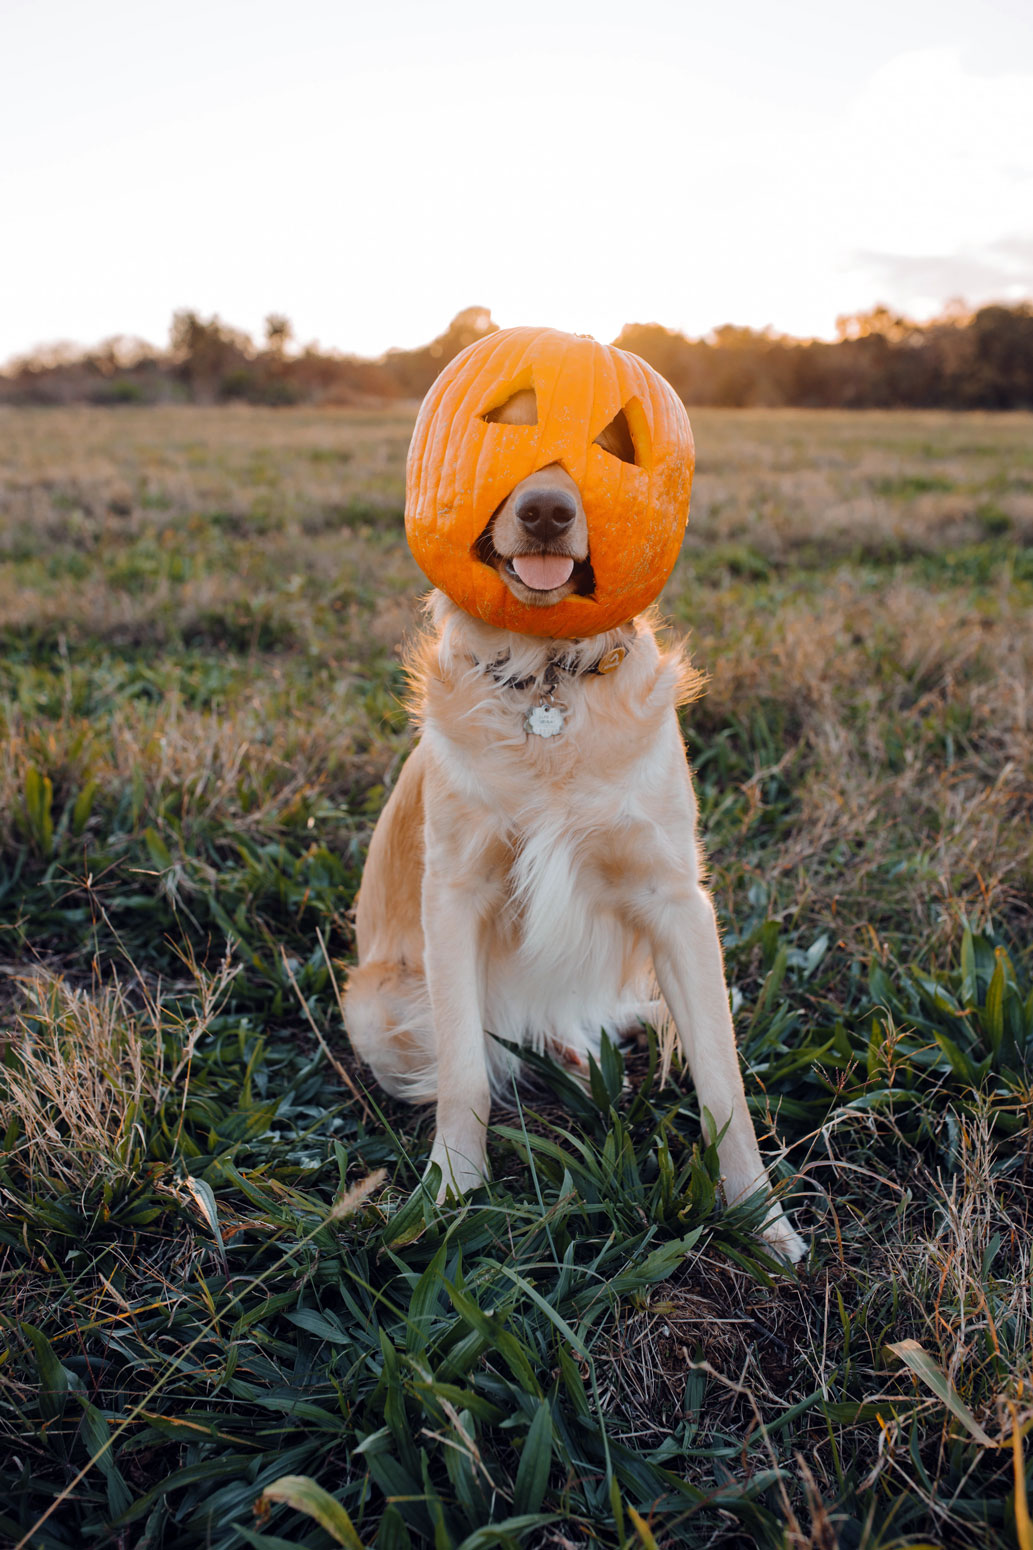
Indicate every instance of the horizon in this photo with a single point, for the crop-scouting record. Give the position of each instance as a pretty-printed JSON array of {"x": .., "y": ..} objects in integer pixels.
[
  {"x": 367, "y": 175},
  {"x": 61, "y": 352}
]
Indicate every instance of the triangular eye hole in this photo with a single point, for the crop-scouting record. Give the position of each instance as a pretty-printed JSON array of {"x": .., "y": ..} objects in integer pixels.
[
  {"x": 616, "y": 438},
  {"x": 520, "y": 408}
]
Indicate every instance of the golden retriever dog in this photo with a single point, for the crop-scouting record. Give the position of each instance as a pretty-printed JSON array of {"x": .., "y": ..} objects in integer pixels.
[{"x": 536, "y": 886}]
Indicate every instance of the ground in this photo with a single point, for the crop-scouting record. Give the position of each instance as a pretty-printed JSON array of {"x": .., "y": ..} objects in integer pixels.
[{"x": 218, "y": 1268}]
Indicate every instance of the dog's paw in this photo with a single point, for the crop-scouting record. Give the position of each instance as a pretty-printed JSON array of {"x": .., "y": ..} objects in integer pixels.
[
  {"x": 460, "y": 1173},
  {"x": 780, "y": 1238}
]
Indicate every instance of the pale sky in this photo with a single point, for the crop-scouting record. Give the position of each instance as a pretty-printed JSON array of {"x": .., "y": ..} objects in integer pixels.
[{"x": 370, "y": 169}]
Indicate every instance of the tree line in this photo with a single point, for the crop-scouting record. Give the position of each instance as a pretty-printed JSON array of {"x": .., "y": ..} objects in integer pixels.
[{"x": 980, "y": 359}]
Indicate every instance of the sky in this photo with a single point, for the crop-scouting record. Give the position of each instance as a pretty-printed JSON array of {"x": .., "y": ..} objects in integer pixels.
[{"x": 370, "y": 169}]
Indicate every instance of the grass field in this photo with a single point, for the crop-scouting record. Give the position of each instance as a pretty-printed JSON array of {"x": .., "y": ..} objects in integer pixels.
[{"x": 218, "y": 1268}]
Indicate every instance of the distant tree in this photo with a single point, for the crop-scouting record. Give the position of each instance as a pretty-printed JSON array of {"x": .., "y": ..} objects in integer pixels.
[
  {"x": 684, "y": 362},
  {"x": 212, "y": 358},
  {"x": 960, "y": 360},
  {"x": 880, "y": 322},
  {"x": 278, "y": 333},
  {"x": 1002, "y": 357},
  {"x": 466, "y": 328},
  {"x": 413, "y": 371},
  {"x": 122, "y": 352}
]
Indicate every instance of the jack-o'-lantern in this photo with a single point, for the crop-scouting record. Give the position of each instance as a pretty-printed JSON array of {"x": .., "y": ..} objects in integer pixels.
[{"x": 608, "y": 421}]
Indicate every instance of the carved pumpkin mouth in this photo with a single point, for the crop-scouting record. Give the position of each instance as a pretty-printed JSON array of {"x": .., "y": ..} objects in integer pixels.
[
  {"x": 537, "y": 539},
  {"x": 540, "y": 575}
]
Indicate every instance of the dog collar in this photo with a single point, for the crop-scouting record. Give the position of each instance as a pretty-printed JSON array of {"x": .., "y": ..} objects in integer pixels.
[
  {"x": 546, "y": 717},
  {"x": 608, "y": 663}
]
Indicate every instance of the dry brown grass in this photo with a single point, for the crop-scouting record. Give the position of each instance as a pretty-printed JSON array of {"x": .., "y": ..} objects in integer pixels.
[
  {"x": 871, "y": 684},
  {"x": 86, "y": 1068},
  {"x": 82, "y": 1069},
  {"x": 839, "y": 484}
]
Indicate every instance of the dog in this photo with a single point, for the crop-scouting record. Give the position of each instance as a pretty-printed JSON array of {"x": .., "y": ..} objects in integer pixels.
[{"x": 537, "y": 885}]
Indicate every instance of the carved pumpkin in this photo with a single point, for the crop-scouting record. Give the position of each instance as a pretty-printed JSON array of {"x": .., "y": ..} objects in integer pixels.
[{"x": 464, "y": 461}]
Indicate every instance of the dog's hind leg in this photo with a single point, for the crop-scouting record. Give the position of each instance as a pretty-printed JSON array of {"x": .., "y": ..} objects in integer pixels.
[{"x": 386, "y": 1005}]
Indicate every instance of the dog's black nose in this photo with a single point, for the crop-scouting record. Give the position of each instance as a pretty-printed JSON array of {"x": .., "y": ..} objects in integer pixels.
[{"x": 546, "y": 514}]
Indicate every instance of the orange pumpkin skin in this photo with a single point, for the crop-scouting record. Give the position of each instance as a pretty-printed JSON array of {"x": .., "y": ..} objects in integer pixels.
[{"x": 461, "y": 468}]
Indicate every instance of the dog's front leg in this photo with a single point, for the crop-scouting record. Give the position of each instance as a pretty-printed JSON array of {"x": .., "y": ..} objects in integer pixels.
[
  {"x": 690, "y": 972},
  {"x": 451, "y": 927}
]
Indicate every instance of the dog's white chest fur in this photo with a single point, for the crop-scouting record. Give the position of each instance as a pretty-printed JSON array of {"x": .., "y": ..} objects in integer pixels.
[
  {"x": 564, "y": 966},
  {"x": 552, "y": 824}
]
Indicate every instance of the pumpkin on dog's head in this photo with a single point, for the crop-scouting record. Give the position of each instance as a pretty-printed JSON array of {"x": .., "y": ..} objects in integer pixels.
[{"x": 602, "y": 416}]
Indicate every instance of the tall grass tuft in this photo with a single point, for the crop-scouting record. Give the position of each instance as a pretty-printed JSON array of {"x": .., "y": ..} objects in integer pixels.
[{"x": 80, "y": 1071}]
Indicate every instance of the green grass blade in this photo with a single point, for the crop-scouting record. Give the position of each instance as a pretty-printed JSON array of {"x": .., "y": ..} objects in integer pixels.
[{"x": 918, "y": 1360}]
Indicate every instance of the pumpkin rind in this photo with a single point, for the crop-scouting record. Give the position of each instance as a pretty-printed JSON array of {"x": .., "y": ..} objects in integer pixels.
[{"x": 461, "y": 468}]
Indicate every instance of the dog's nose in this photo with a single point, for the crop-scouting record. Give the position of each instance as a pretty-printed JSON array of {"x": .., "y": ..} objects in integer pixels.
[{"x": 546, "y": 514}]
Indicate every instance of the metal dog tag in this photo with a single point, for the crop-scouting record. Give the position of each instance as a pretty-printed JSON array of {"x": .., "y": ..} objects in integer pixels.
[{"x": 545, "y": 720}]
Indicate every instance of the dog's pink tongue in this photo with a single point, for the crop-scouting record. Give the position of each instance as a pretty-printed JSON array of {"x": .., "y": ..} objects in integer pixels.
[{"x": 543, "y": 571}]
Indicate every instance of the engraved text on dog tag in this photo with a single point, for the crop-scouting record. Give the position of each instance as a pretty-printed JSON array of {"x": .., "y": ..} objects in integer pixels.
[{"x": 545, "y": 720}]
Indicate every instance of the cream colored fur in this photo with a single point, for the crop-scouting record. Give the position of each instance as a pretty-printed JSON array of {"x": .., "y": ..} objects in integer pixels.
[{"x": 540, "y": 888}]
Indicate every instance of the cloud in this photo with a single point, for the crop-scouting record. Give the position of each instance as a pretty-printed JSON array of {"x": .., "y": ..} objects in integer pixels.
[
  {"x": 1019, "y": 248},
  {"x": 919, "y": 283},
  {"x": 931, "y": 158},
  {"x": 936, "y": 163}
]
